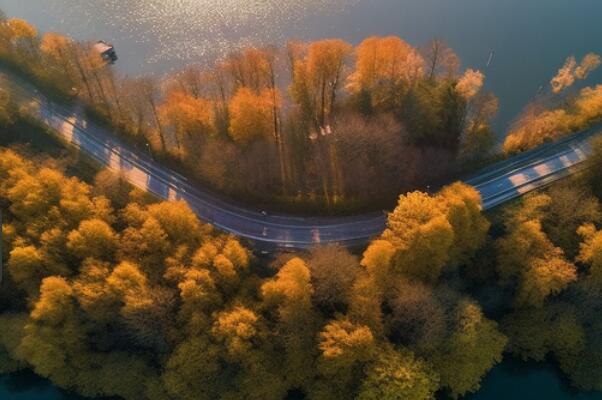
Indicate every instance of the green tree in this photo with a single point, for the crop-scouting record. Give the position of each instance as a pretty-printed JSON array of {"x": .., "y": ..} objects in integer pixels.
[
  {"x": 289, "y": 294},
  {"x": 346, "y": 349},
  {"x": 525, "y": 254},
  {"x": 398, "y": 375},
  {"x": 193, "y": 371},
  {"x": 245, "y": 340},
  {"x": 570, "y": 207},
  {"x": 591, "y": 252},
  {"x": 8, "y": 110},
  {"x": 11, "y": 332},
  {"x": 434, "y": 113},
  {"x": 553, "y": 330},
  {"x": 473, "y": 348},
  {"x": 594, "y": 167}
]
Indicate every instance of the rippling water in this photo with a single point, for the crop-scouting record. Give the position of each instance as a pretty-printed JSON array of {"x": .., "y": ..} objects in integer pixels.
[
  {"x": 175, "y": 31},
  {"x": 532, "y": 38}
]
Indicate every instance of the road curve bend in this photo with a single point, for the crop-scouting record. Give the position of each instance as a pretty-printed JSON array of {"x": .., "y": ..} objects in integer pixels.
[{"x": 497, "y": 183}]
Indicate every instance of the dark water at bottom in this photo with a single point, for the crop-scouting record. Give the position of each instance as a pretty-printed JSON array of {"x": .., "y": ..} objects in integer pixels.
[
  {"x": 512, "y": 380},
  {"x": 516, "y": 380},
  {"x": 26, "y": 385}
]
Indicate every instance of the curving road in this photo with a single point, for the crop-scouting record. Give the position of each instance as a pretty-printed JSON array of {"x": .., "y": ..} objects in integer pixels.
[{"x": 497, "y": 183}]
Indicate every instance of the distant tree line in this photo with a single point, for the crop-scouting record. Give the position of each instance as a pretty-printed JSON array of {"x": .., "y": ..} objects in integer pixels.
[
  {"x": 561, "y": 110},
  {"x": 320, "y": 123}
]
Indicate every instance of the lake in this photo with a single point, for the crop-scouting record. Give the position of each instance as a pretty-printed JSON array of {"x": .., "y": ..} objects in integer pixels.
[
  {"x": 27, "y": 386},
  {"x": 512, "y": 379},
  {"x": 531, "y": 39},
  {"x": 517, "y": 380}
]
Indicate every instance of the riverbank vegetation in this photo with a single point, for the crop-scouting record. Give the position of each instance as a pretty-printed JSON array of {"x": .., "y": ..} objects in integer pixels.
[
  {"x": 320, "y": 125},
  {"x": 560, "y": 112}
]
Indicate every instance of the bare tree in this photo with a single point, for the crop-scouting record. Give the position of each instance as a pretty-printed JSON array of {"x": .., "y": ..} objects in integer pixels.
[{"x": 441, "y": 60}]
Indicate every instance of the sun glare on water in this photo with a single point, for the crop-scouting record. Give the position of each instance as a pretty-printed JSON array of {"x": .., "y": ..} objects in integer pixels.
[{"x": 204, "y": 29}]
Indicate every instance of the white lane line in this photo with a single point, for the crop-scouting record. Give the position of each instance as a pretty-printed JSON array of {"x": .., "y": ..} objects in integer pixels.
[
  {"x": 542, "y": 169},
  {"x": 519, "y": 179}
]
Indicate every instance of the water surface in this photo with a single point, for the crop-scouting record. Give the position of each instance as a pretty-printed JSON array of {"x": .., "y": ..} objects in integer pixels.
[
  {"x": 531, "y": 38},
  {"x": 517, "y": 380},
  {"x": 27, "y": 386}
]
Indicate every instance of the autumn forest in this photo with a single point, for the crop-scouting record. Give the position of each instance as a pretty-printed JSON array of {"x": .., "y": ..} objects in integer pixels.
[{"x": 109, "y": 291}]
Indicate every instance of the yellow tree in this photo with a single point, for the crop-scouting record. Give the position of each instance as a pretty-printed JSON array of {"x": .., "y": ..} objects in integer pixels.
[
  {"x": 54, "y": 339},
  {"x": 147, "y": 245},
  {"x": 193, "y": 370},
  {"x": 526, "y": 255},
  {"x": 288, "y": 296},
  {"x": 238, "y": 330},
  {"x": 192, "y": 117},
  {"x": 534, "y": 127},
  {"x": 470, "y": 84},
  {"x": 397, "y": 374},
  {"x": 255, "y": 69},
  {"x": 422, "y": 236},
  {"x": 429, "y": 232},
  {"x": 382, "y": 65},
  {"x": 11, "y": 333},
  {"x": 227, "y": 261},
  {"x": 470, "y": 227},
  {"x": 318, "y": 74},
  {"x": 179, "y": 222},
  {"x": 26, "y": 268},
  {"x": 23, "y": 35},
  {"x": 95, "y": 239},
  {"x": 346, "y": 349},
  {"x": 365, "y": 304},
  {"x": 245, "y": 340},
  {"x": 56, "y": 344},
  {"x": 591, "y": 252},
  {"x": 479, "y": 139},
  {"x": 377, "y": 259},
  {"x": 251, "y": 116},
  {"x": 252, "y": 68},
  {"x": 571, "y": 71},
  {"x": 58, "y": 50},
  {"x": 588, "y": 107}
]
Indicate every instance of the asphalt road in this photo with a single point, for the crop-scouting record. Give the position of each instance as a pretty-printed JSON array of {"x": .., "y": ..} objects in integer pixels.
[{"x": 497, "y": 183}]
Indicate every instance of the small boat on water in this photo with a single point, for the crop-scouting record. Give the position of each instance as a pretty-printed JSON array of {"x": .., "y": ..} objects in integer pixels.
[{"x": 106, "y": 51}]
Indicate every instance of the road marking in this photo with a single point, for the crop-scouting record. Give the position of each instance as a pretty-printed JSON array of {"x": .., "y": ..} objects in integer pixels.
[
  {"x": 542, "y": 169},
  {"x": 518, "y": 179}
]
